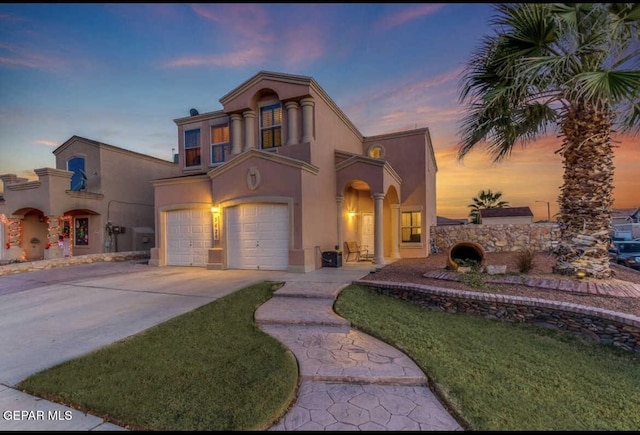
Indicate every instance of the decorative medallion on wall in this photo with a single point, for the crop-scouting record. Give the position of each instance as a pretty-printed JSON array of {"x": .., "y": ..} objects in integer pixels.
[{"x": 253, "y": 178}]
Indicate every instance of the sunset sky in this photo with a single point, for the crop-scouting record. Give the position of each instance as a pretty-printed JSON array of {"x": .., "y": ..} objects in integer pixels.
[{"x": 120, "y": 73}]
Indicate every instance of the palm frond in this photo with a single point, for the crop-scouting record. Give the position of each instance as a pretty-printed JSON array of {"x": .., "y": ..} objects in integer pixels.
[{"x": 610, "y": 85}]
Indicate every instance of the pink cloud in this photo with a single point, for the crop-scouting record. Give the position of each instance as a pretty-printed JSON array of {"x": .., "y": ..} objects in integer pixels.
[
  {"x": 251, "y": 38},
  {"x": 407, "y": 15},
  {"x": 48, "y": 143},
  {"x": 240, "y": 20},
  {"x": 19, "y": 57},
  {"x": 302, "y": 45},
  {"x": 249, "y": 56}
]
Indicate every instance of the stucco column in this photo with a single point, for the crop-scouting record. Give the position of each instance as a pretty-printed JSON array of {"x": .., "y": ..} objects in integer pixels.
[
  {"x": 339, "y": 204},
  {"x": 249, "y": 129},
  {"x": 53, "y": 250},
  {"x": 378, "y": 252},
  {"x": 395, "y": 218},
  {"x": 292, "y": 122},
  {"x": 236, "y": 133},
  {"x": 307, "y": 119},
  {"x": 13, "y": 248}
]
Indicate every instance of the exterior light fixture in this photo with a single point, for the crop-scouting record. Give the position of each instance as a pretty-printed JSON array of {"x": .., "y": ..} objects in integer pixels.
[
  {"x": 214, "y": 209},
  {"x": 352, "y": 214}
]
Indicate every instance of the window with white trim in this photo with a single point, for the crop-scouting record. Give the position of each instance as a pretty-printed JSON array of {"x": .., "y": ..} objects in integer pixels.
[
  {"x": 411, "y": 227},
  {"x": 271, "y": 126},
  {"x": 192, "y": 147},
  {"x": 219, "y": 142}
]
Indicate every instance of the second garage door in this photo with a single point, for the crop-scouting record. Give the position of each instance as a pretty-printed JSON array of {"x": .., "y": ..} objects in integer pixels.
[
  {"x": 188, "y": 237},
  {"x": 258, "y": 236}
]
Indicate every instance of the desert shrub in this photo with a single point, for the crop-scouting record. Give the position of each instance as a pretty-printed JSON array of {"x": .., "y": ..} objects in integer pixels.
[
  {"x": 468, "y": 262},
  {"x": 525, "y": 259}
]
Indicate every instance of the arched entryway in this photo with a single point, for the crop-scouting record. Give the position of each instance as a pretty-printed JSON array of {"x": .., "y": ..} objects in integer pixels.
[{"x": 34, "y": 231}]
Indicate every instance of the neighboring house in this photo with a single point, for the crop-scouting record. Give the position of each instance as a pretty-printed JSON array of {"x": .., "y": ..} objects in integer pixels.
[
  {"x": 625, "y": 215},
  {"x": 280, "y": 175},
  {"x": 442, "y": 221},
  {"x": 506, "y": 215},
  {"x": 99, "y": 198},
  {"x": 625, "y": 223}
]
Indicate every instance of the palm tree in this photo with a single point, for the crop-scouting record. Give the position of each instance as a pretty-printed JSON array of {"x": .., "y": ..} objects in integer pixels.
[
  {"x": 485, "y": 199},
  {"x": 574, "y": 67}
]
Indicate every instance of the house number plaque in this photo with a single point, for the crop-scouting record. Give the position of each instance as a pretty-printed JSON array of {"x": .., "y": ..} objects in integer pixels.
[{"x": 216, "y": 226}]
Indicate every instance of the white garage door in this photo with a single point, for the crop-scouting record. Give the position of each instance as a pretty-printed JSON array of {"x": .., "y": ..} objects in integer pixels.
[
  {"x": 258, "y": 236},
  {"x": 188, "y": 237}
]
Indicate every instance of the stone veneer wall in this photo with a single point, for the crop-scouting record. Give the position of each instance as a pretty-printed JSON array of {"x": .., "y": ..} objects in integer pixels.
[
  {"x": 28, "y": 266},
  {"x": 604, "y": 326},
  {"x": 497, "y": 237}
]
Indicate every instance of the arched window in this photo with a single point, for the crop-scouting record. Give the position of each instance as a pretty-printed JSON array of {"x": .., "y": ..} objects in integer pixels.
[
  {"x": 79, "y": 178},
  {"x": 376, "y": 151}
]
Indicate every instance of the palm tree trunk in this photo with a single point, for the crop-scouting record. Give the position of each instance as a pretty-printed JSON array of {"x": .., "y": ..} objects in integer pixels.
[{"x": 587, "y": 192}]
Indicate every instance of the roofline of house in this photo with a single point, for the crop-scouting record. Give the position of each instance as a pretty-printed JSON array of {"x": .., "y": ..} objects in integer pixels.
[{"x": 97, "y": 144}]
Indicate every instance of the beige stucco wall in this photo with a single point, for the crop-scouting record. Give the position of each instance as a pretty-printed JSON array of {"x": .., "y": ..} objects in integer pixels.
[
  {"x": 118, "y": 189},
  {"x": 411, "y": 156},
  {"x": 409, "y": 177}
]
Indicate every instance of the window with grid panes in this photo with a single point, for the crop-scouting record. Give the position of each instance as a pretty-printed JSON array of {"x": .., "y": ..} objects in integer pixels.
[
  {"x": 271, "y": 126},
  {"x": 219, "y": 142},
  {"x": 411, "y": 229},
  {"x": 192, "y": 147}
]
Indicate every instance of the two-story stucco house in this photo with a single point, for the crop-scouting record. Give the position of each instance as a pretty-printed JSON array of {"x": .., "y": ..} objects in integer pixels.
[
  {"x": 99, "y": 197},
  {"x": 280, "y": 175}
]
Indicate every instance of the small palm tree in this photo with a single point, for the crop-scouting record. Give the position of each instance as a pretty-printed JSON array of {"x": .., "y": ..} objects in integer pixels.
[
  {"x": 485, "y": 199},
  {"x": 572, "y": 66}
]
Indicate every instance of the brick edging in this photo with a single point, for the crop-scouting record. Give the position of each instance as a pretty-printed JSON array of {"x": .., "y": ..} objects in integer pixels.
[{"x": 605, "y": 326}]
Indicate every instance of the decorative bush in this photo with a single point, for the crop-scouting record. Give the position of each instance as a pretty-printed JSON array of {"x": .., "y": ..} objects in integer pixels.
[{"x": 524, "y": 258}]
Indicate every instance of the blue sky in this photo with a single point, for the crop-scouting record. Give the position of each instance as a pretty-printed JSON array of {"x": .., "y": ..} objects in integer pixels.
[{"x": 120, "y": 73}]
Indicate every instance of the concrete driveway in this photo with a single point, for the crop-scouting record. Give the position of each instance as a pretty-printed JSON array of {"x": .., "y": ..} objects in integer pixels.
[{"x": 50, "y": 316}]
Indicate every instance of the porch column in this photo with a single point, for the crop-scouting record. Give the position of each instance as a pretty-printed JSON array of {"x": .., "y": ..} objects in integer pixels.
[
  {"x": 292, "y": 122},
  {"x": 53, "y": 250},
  {"x": 339, "y": 203},
  {"x": 13, "y": 244},
  {"x": 249, "y": 129},
  {"x": 236, "y": 133},
  {"x": 378, "y": 252},
  {"x": 307, "y": 119},
  {"x": 395, "y": 218}
]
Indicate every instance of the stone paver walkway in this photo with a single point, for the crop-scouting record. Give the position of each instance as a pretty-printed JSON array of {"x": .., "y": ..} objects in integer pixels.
[{"x": 349, "y": 380}]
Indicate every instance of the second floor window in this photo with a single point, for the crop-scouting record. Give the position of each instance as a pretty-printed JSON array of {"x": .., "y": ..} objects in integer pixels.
[
  {"x": 271, "y": 126},
  {"x": 192, "y": 147},
  {"x": 219, "y": 142}
]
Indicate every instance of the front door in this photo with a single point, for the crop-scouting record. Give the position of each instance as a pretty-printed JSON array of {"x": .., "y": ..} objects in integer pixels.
[{"x": 367, "y": 232}]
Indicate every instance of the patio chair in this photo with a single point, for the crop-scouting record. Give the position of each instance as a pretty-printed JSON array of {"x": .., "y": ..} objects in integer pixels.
[{"x": 361, "y": 253}]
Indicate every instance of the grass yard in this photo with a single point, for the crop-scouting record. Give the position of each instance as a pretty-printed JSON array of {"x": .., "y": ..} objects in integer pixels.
[
  {"x": 504, "y": 376},
  {"x": 209, "y": 369}
]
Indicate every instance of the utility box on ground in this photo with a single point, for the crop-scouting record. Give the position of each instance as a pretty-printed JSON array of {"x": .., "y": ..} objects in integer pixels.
[{"x": 332, "y": 259}]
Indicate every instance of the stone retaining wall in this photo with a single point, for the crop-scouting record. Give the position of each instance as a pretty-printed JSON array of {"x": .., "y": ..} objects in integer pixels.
[
  {"x": 497, "y": 237},
  {"x": 28, "y": 266},
  {"x": 604, "y": 326}
]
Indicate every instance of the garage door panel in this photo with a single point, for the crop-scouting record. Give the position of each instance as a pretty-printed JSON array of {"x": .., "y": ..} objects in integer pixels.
[
  {"x": 257, "y": 236},
  {"x": 189, "y": 236}
]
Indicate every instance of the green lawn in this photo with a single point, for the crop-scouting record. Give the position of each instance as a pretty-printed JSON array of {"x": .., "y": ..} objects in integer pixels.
[
  {"x": 213, "y": 369},
  {"x": 210, "y": 369},
  {"x": 504, "y": 376}
]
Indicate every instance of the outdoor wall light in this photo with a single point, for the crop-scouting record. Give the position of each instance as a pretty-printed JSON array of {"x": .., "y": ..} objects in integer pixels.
[
  {"x": 352, "y": 214},
  {"x": 214, "y": 209}
]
